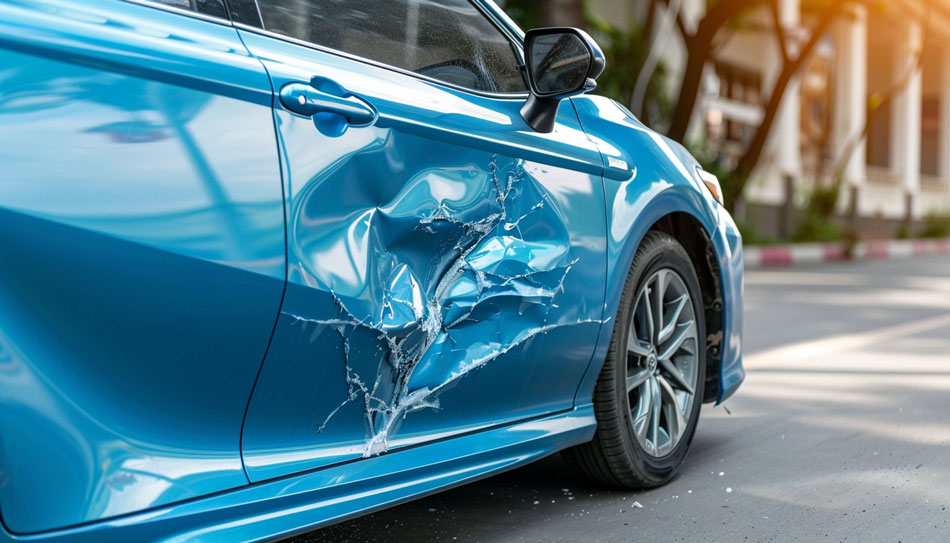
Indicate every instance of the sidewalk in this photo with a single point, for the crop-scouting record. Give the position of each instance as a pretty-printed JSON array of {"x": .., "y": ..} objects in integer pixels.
[{"x": 777, "y": 256}]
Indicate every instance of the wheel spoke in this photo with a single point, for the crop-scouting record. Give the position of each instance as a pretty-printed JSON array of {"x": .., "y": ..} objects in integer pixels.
[
  {"x": 676, "y": 375},
  {"x": 637, "y": 379},
  {"x": 684, "y": 331},
  {"x": 662, "y": 360},
  {"x": 645, "y": 411},
  {"x": 674, "y": 415},
  {"x": 648, "y": 313},
  {"x": 635, "y": 346},
  {"x": 667, "y": 330},
  {"x": 659, "y": 291},
  {"x": 655, "y": 415}
]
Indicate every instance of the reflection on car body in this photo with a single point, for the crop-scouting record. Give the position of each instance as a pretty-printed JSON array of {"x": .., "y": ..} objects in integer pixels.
[{"x": 269, "y": 266}]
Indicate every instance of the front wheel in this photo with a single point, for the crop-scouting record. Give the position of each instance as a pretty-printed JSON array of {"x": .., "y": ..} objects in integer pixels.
[{"x": 650, "y": 391}]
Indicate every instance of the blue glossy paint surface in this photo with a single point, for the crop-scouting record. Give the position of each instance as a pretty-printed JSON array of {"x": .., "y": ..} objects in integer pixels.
[
  {"x": 446, "y": 266},
  {"x": 141, "y": 223},
  {"x": 646, "y": 178},
  {"x": 448, "y": 276},
  {"x": 283, "y": 507}
]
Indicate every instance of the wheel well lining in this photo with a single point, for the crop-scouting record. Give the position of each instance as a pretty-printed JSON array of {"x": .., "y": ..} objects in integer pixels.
[{"x": 689, "y": 232}]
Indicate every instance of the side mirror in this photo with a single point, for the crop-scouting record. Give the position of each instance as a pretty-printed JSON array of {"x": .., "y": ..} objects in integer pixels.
[{"x": 561, "y": 62}]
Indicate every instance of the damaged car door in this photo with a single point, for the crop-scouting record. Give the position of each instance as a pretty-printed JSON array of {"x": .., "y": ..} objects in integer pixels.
[{"x": 446, "y": 262}]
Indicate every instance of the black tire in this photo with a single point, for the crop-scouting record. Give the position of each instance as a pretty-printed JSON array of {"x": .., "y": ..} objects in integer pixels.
[{"x": 615, "y": 457}]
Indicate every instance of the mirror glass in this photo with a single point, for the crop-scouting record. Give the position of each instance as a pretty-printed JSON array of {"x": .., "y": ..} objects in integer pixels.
[{"x": 559, "y": 63}]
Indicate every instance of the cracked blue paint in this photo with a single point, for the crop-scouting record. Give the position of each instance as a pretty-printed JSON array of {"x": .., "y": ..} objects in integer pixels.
[
  {"x": 430, "y": 335},
  {"x": 404, "y": 287},
  {"x": 446, "y": 271}
]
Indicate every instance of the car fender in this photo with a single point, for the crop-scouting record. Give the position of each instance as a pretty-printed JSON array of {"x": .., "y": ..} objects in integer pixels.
[{"x": 648, "y": 177}]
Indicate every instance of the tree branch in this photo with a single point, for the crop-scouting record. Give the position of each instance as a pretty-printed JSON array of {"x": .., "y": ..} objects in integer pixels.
[
  {"x": 680, "y": 23},
  {"x": 790, "y": 69},
  {"x": 698, "y": 51},
  {"x": 649, "y": 22},
  {"x": 720, "y": 13},
  {"x": 779, "y": 30},
  {"x": 653, "y": 58}
]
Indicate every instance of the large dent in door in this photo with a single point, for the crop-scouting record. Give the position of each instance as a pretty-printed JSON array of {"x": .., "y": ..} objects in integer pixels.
[{"x": 430, "y": 284}]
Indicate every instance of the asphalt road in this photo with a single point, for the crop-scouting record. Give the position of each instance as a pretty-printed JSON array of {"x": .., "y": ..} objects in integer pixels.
[{"x": 841, "y": 432}]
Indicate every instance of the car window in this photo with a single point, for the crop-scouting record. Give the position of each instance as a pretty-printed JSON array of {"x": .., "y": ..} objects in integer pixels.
[
  {"x": 244, "y": 12},
  {"x": 208, "y": 7},
  {"x": 449, "y": 40}
]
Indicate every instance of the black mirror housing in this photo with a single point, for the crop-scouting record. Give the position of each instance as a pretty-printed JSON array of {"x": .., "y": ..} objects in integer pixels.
[{"x": 561, "y": 62}]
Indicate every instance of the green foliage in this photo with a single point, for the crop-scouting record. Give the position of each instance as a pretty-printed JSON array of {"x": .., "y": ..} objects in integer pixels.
[
  {"x": 817, "y": 220},
  {"x": 752, "y": 236},
  {"x": 625, "y": 49},
  {"x": 824, "y": 200},
  {"x": 814, "y": 227},
  {"x": 936, "y": 225},
  {"x": 523, "y": 12}
]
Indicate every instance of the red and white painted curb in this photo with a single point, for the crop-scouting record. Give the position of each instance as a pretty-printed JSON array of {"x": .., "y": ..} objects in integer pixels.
[{"x": 778, "y": 256}]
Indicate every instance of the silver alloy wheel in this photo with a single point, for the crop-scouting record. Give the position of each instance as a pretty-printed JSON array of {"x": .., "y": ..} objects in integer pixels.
[{"x": 662, "y": 362}]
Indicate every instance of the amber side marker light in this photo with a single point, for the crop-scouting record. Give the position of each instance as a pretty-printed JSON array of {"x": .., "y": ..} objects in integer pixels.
[{"x": 712, "y": 183}]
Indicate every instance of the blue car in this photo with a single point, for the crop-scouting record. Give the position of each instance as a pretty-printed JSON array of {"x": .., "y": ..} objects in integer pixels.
[{"x": 269, "y": 264}]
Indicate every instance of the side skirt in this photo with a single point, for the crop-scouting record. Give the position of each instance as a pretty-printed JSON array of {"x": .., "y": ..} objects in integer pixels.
[{"x": 283, "y": 507}]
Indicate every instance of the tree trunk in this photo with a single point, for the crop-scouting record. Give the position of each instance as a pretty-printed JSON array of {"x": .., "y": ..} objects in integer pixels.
[
  {"x": 699, "y": 50},
  {"x": 649, "y": 22},
  {"x": 689, "y": 91},
  {"x": 561, "y": 13},
  {"x": 790, "y": 69}
]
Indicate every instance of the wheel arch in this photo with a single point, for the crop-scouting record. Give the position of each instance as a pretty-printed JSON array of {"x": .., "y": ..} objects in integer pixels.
[
  {"x": 689, "y": 232},
  {"x": 681, "y": 213}
]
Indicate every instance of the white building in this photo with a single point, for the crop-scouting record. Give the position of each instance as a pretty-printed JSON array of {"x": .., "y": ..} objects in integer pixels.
[{"x": 895, "y": 175}]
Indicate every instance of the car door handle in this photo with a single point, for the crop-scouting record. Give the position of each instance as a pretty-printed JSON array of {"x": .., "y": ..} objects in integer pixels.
[{"x": 324, "y": 96}]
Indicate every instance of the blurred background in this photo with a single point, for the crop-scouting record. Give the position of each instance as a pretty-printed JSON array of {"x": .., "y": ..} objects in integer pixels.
[{"x": 826, "y": 120}]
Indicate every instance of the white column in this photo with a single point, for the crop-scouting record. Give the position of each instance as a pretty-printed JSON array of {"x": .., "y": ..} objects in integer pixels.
[
  {"x": 788, "y": 120},
  {"x": 851, "y": 89},
  {"x": 905, "y": 112},
  {"x": 943, "y": 141}
]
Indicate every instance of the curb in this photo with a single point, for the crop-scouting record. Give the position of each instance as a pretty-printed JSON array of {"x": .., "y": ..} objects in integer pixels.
[{"x": 780, "y": 256}]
